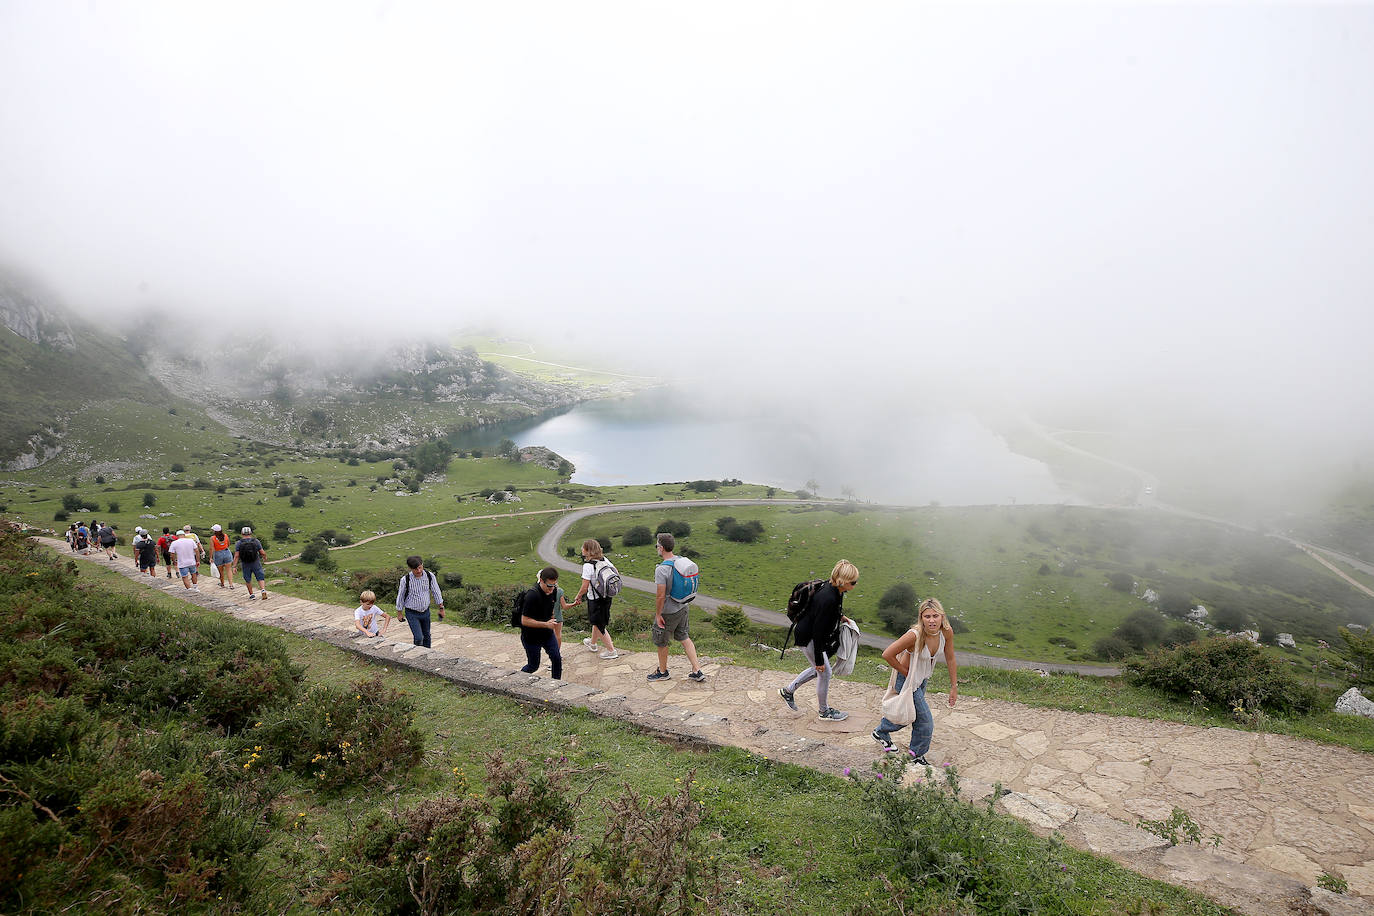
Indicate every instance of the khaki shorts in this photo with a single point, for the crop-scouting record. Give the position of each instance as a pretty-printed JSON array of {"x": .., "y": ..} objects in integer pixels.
[{"x": 674, "y": 625}]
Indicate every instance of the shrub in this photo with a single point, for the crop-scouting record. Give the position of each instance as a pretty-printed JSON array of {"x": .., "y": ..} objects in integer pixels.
[
  {"x": 297, "y": 501},
  {"x": 73, "y": 503},
  {"x": 731, "y": 619},
  {"x": 638, "y": 536},
  {"x": 1141, "y": 629},
  {"x": 362, "y": 735},
  {"x": 605, "y": 543},
  {"x": 1180, "y": 634},
  {"x": 676, "y": 529},
  {"x": 895, "y": 620},
  {"x": 954, "y": 857},
  {"x": 60, "y": 515},
  {"x": 1111, "y": 648},
  {"x": 314, "y": 551},
  {"x": 704, "y": 486},
  {"x": 202, "y": 484},
  {"x": 1063, "y": 641},
  {"x": 901, "y": 596},
  {"x": 630, "y": 620},
  {"x": 99, "y": 479},
  {"x": 516, "y": 851},
  {"x": 283, "y": 489},
  {"x": 382, "y": 582},
  {"x": 1174, "y": 603},
  {"x": 453, "y": 579},
  {"x": 739, "y": 532},
  {"x": 1122, "y": 582},
  {"x": 177, "y": 468},
  {"x": 1231, "y": 671},
  {"x": 488, "y": 605},
  {"x": 114, "y": 508},
  {"x": 1358, "y": 655}
]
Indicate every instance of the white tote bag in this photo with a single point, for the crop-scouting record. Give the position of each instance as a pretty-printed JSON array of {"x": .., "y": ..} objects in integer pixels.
[{"x": 899, "y": 707}]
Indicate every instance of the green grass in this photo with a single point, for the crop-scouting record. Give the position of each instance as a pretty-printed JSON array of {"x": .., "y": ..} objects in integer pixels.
[{"x": 761, "y": 815}]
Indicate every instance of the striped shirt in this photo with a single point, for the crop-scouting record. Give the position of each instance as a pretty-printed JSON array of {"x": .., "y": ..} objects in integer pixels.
[{"x": 412, "y": 595}]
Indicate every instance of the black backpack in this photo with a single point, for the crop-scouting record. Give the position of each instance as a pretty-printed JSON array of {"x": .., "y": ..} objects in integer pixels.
[
  {"x": 517, "y": 608},
  {"x": 797, "y": 606},
  {"x": 248, "y": 551}
]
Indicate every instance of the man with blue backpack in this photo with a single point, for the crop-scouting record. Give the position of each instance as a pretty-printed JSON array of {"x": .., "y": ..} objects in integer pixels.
[{"x": 676, "y": 581}]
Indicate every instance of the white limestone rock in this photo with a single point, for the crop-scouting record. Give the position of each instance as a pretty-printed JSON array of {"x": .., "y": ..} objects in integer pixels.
[{"x": 1355, "y": 703}]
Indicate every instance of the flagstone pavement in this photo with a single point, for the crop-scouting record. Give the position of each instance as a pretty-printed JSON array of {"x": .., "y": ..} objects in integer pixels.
[{"x": 1287, "y": 810}]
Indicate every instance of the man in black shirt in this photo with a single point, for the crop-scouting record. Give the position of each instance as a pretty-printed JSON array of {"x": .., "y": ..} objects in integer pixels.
[{"x": 537, "y": 626}]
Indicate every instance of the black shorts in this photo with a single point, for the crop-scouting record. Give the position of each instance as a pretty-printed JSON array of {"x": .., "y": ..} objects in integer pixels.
[
  {"x": 599, "y": 612},
  {"x": 166, "y": 558}
]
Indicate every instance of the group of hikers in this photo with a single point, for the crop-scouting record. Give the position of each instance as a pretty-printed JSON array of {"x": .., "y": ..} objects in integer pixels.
[
  {"x": 183, "y": 551},
  {"x": 827, "y": 637}
]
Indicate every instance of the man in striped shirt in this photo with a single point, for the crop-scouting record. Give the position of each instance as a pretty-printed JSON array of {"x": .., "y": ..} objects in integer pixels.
[{"x": 413, "y": 599}]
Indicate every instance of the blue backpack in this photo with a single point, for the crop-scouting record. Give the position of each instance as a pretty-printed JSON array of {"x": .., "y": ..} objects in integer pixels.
[{"x": 683, "y": 589}]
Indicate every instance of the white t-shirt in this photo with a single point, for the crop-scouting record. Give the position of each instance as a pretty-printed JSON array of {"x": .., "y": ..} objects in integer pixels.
[
  {"x": 184, "y": 549},
  {"x": 373, "y": 626}
]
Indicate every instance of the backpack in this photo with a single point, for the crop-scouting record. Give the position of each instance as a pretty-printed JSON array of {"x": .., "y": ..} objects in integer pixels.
[
  {"x": 605, "y": 580},
  {"x": 797, "y": 606},
  {"x": 517, "y": 608},
  {"x": 248, "y": 551},
  {"x": 683, "y": 588}
]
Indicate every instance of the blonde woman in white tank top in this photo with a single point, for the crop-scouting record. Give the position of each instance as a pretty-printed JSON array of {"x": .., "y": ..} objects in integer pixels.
[{"x": 913, "y": 654}]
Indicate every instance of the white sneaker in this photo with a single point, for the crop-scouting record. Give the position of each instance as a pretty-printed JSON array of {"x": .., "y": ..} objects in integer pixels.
[
  {"x": 588, "y": 643},
  {"x": 610, "y": 655},
  {"x": 195, "y": 588}
]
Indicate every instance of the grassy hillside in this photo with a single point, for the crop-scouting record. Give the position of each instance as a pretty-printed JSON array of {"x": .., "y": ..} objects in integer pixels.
[
  {"x": 42, "y": 387},
  {"x": 131, "y": 791}
]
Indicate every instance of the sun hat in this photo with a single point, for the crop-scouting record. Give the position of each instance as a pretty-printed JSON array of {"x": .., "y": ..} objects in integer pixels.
[{"x": 216, "y": 528}]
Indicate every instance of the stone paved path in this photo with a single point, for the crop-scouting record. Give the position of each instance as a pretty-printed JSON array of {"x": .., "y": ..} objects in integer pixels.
[{"x": 1284, "y": 808}]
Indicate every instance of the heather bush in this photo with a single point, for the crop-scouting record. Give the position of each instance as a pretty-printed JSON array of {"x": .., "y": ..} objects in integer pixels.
[
  {"x": 1231, "y": 671},
  {"x": 382, "y": 582},
  {"x": 731, "y": 619},
  {"x": 487, "y": 605},
  {"x": 515, "y": 850},
  {"x": 952, "y": 857},
  {"x": 364, "y": 734}
]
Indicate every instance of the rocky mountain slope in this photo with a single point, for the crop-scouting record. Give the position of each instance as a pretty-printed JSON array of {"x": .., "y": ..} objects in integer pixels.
[{"x": 261, "y": 385}]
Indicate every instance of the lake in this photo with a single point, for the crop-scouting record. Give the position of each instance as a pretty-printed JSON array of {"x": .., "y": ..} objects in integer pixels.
[{"x": 657, "y": 436}]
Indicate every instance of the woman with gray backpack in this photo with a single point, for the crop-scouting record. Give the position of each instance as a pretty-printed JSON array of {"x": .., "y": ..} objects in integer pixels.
[{"x": 600, "y": 583}]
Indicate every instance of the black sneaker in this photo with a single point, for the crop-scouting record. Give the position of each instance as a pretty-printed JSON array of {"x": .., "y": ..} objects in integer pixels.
[
  {"x": 787, "y": 698},
  {"x": 657, "y": 676},
  {"x": 920, "y": 760},
  {"x": 884, "y": 740},
  {"x": 831, "y": 714},
  {"x": 698, "y": 675}
]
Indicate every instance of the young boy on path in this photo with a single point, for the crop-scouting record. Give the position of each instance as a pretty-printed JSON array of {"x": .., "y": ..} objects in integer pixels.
[
  {"x": 369, "y": 619},
  {"x": 670, "y": 614}
]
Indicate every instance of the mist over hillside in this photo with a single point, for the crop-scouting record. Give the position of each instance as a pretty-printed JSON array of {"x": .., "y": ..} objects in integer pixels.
[{"x": 256, "y": 382}]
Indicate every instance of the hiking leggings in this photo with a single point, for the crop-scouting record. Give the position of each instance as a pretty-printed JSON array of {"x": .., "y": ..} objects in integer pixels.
[{"x": 822, "y": 685}]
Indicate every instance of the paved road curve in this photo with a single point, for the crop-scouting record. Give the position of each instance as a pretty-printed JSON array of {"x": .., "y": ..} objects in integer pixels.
[{"x": 548, "y": 552}]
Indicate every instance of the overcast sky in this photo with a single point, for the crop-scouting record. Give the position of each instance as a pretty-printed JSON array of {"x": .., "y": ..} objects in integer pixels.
[{"x": 1087, "y": 198}]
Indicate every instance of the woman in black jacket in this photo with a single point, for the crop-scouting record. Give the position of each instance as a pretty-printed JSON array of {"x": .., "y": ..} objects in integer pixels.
[{"x": 818, "y": 633}]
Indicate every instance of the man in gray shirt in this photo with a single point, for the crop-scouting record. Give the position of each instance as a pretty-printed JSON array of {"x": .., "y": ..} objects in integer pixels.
[
  {"x": 413, "y": 598},
  {"x": 670, "y": 616}
]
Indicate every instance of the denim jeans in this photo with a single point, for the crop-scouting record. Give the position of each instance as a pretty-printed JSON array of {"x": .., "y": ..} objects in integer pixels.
[
  {"x": 419, "y": 627},
  {"x": 922, "y": 728},
  {"x": 536, "y": 638}
]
